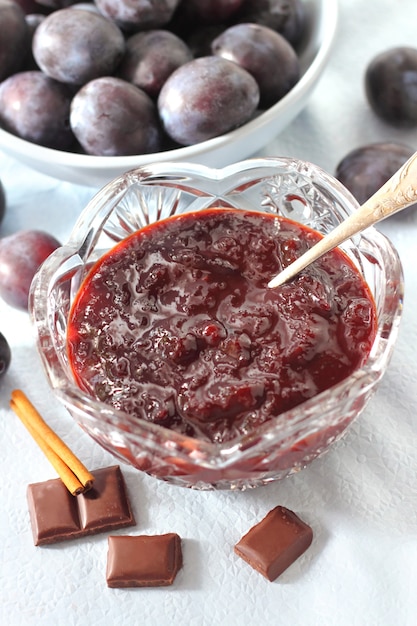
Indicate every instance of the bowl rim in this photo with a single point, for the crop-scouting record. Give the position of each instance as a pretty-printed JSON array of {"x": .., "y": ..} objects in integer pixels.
[
  {"x": 76, "y": 399},
  {"x": 326, "y": 27}
]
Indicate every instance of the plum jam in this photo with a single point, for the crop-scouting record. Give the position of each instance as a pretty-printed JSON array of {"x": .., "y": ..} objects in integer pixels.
[{"x": 176, "y": 324}]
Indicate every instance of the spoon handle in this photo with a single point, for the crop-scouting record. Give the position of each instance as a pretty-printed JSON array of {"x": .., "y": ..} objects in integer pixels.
[{"x": 399, "y": 192}]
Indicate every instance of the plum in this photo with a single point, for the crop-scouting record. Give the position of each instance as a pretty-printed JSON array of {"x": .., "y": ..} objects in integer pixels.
[
  {"x": 151, "y": 57},
  {"x": 265, "y": 54},
  {"x": 36, "y": 108},
  {"x": 75, "y": 46},
  {"x": 14, "y": 38},
  {"x": 110, "y": 116},
  {"x": 205, "y": 98},
  {"x": 365, "y": 169},
  {"x": 391, "y": 86},
  {"x": 21, "y": 254}
]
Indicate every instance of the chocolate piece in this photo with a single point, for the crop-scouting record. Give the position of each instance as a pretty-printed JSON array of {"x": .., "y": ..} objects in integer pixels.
[
  {"x": 106, "y": 504},
  {"x": 275, "y": 543},
  {"x": 144, "y": 560},
  {"x": 56, "y": 515},
  {"x": 53, "y": 511}
]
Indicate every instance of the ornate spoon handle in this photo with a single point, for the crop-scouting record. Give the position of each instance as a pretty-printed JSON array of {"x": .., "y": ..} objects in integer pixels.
[{"x": 399, "y": 192}]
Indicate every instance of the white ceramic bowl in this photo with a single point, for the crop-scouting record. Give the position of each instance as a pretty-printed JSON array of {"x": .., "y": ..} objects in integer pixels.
[{"x": 96, "y": 171}]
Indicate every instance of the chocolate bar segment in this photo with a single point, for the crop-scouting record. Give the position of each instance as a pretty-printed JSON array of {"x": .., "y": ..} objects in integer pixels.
[
  {"x": 105, "y": 505},
  {"x": 143, "y": 560},
  {"x": 275, "y": 543},
  {"x": 53, "y": 512},
  {"x": 56, "y": 515}
]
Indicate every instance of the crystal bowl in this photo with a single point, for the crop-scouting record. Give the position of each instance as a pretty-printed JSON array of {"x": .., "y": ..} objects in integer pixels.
[
  {"x": 148, "y": 194},
  {"x": 96, "y": 171}
]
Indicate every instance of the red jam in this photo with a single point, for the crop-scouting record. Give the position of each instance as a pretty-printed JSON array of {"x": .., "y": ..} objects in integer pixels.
[{"x": 176, "y": 323}]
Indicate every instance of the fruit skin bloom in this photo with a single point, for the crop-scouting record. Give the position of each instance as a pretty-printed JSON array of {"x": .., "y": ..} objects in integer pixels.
[
  {"x": 205, "y": 98},
  {"x": 111, "y": 117},
  {"x": 74, "y": 46},
  {"x": 21, "y": 254},
  {"x": 265, "y": 54},
  {"x": 391, "y": 86},
  {"x": 365, "y": 169},
  {"x": 35, "y": 107}
]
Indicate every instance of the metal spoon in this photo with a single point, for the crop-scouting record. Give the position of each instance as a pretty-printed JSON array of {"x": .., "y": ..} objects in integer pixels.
[{"x": 399, "y": 192}]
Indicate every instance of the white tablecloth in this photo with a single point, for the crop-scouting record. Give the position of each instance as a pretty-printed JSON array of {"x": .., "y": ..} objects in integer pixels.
[{"x": 360, "y": 498}]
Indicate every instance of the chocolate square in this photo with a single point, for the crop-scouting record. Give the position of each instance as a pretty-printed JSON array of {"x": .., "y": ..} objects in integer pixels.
[
  {"x": 143, "y": 560},
  {"x": 275, "y": 542},
  {"x": 105, "y": 505},
  {"x": 53, "y": 512},
  {"x": 56, "y": 515}
]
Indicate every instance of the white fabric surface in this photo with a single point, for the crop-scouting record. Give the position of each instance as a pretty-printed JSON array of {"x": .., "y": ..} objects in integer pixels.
[{"x": 360, "y": 498}]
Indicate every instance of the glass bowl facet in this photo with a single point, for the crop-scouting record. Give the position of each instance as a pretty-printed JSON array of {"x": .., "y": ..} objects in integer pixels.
[
  {"x": 295, "y": 189},
  {"x": 95, "y": 171}
]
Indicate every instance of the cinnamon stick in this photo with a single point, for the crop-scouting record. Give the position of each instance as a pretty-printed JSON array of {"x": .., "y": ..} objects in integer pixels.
[{"x": 72, "y": 472}]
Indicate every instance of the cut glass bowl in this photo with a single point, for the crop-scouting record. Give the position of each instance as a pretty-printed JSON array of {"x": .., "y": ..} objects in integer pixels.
[{"x": 295, "y": 189}]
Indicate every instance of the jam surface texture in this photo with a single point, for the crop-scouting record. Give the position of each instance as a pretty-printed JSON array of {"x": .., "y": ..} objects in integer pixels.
[{"x": 176, "y": 324}]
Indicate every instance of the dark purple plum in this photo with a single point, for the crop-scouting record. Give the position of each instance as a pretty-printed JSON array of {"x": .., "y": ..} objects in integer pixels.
[
  {"x": 287, "y": 17},
  {"x": 111, "y": 117},
  {"x": 391, "y": 86},
  {"x": 36, "y": 108},
  {"x": 14, "y": 38},
  {"x": 134, "y": 15},
  {"x": 364, "y": 170},
  {"x": 5, "y": 355},
  {"x": 265, "y": 54},
  {"x": 205, "y": 98},
  {"x": 75, "y": 46},
  {"x": 151, "y": 57},
  {"x": 21, "y": 254}
]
